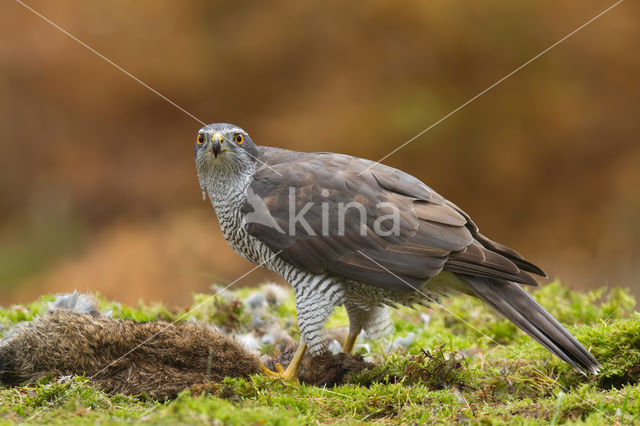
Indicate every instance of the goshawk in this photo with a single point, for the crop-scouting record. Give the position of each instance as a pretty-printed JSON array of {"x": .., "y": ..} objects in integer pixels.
[{"x": 347, "y": 231}]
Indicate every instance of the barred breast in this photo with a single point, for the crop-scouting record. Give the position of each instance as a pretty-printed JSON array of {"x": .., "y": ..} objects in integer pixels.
[{"x": 316, "y": 295}]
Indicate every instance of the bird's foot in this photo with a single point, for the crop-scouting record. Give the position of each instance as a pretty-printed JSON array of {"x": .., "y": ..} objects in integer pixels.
[
  {"x": 291, "y": 373},
  {"x": 288, "y": 375}
]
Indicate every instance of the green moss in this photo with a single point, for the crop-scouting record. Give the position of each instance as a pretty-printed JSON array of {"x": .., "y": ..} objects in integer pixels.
[
  {"x": 482, "y": 372},
  {"x": 17, "y": 313},
  {"x": 73, "y": 400},
  {"x": 616, "y": 344}
]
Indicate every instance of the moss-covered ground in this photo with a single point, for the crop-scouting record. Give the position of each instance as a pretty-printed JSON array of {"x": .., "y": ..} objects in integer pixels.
[{"x": 465, "y": 365}]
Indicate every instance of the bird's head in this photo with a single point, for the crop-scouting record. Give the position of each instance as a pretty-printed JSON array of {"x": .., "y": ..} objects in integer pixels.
[{"x": 224, "y": 145}]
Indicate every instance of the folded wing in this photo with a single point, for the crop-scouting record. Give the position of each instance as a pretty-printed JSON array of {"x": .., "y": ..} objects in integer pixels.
[{"x": 382, "y": 227}]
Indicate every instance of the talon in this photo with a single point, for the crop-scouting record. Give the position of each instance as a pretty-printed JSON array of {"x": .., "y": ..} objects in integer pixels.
[
  {"x": 272, "y": 374},
  {"x": 280, "y": 373},
  {"x": 291, "y": 373}
]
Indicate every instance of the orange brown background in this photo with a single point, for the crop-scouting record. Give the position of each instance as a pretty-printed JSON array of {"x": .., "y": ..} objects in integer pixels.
[{"x": 98, "y": 187}]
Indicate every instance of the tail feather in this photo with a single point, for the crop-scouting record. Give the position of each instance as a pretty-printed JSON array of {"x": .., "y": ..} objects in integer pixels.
[{"x": 519, "y": 307}]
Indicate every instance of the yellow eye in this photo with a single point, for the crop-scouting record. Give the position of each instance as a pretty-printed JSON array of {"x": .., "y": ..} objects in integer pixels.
[
  {"x": 239, "y": 139},
  {"x": 200, "y": 139}
]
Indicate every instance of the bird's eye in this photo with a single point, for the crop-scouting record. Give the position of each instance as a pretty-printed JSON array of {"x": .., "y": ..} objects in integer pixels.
[
  {"x": 200, "y": 139},
  {"x": 239, "y": 139}
]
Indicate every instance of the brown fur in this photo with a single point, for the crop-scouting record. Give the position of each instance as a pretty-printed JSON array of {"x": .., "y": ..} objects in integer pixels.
[
  {"x": 159, "y": 359},
  {"x": 175, "y": 357}
]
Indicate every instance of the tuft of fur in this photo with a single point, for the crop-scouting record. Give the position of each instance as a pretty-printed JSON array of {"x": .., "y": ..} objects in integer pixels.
[
  {"x": 74, "y": 302},
  {"x": 159, "y": 359}
]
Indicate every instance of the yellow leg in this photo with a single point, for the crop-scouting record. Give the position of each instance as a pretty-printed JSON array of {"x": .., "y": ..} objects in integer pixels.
[
  {"x": 291, "y": 373},
  {"x": 348, "y": 344}
]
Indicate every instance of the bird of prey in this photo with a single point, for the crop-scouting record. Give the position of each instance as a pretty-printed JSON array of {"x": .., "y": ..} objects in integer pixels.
[{"x": 348, "y": 231}]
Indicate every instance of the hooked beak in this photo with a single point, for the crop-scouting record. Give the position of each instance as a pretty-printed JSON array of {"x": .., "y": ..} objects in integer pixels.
[{"x": 216, "y": 145}]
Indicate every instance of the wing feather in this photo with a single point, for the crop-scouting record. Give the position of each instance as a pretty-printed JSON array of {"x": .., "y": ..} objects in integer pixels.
[{"x": 432, "y": 233}]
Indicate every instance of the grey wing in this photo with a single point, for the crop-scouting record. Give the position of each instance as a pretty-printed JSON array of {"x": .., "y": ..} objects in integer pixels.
[{"x": 383, "y": 227}]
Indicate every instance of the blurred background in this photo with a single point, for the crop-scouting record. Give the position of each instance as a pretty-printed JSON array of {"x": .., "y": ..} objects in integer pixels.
[{"x": 99, "y": 190}]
